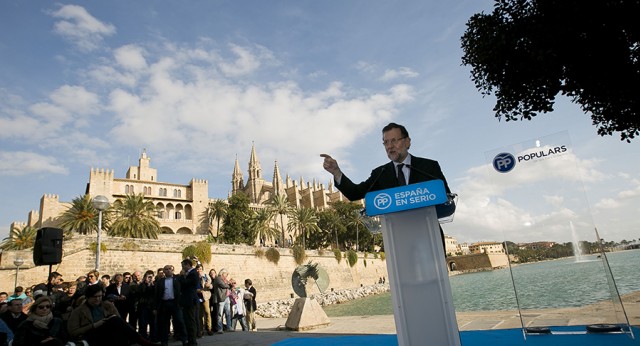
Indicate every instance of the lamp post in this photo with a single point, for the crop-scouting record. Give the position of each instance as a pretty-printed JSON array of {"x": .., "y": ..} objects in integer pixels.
[
  {"x": 101, "y": 203},
  {"x": 18, "y": 262}
]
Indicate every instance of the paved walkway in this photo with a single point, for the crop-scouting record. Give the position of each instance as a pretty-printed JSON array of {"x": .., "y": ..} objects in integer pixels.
[{"x": 271, "y": 330}]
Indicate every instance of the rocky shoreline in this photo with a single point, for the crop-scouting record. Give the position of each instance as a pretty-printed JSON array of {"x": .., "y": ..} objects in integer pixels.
[{"x": 281, "y": 308}]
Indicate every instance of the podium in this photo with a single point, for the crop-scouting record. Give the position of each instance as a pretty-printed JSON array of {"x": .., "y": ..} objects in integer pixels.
[{"x": 423, "y": 307}]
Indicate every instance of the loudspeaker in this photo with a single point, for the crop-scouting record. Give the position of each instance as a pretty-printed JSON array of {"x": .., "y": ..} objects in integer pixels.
[{"x": 48, "y": 246}]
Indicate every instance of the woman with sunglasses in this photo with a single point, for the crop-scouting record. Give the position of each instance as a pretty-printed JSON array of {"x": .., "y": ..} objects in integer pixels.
[{"x": 40, "y": 328}]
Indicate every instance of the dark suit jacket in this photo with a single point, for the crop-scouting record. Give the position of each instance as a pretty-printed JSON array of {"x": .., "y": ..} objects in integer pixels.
[
  {"x": 160, "y": 290},
  {"x": 385, "y": 177},
  {"x": 189, "y": 288},
  {"x": 121, "y": 305}
]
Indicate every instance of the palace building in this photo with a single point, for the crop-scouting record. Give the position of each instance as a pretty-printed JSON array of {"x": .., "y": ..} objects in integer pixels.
[{"x": 182, "y": 207}]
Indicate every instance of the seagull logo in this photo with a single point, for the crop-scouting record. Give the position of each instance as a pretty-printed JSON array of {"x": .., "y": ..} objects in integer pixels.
[
  {"x": 382, "y": 201},
  {"x": 504, "y": 162}
]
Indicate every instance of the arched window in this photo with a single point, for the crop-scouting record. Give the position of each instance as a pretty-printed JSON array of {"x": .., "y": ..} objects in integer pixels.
[
  {"x": 175, "y": 193},
  {"x": 126, "y": 189},
  {"x": 178, "y": 215},
  {"x": 179, "y": 193}
]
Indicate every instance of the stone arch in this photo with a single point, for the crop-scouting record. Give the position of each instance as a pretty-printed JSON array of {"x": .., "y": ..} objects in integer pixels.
[
  {"x": 166, "y": 230},
  {"x": 184, "y": 230},
  {"x": 452, "y": 266},
  {"x": 162, "y": 213},
  {"x": 188, "y": 212},
  {"x": 169, "y": 211},
  {"x": 179, "y": 212}
]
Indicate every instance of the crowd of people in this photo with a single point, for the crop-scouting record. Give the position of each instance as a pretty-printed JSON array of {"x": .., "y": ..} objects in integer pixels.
[{"x": 128, "y": 308}]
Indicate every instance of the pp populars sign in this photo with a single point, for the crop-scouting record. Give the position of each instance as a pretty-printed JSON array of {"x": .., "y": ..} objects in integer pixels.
[{"x": 405, "y": 197}]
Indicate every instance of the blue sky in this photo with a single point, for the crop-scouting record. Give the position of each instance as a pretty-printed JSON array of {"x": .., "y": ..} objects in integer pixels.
[{"x": 90, "y": 84}]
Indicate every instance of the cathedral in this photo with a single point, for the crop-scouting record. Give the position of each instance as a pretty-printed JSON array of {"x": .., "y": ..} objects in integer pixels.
[{"x": 182, "y": 207}]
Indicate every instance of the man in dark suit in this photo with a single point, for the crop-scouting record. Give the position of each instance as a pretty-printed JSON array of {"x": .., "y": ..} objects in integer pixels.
[
  {"x": 14, "y": 315},
  {"x": 189, "y": 279},
  {"x": 118, "y": 294},
  {"x": 167, "y": 296},
  {"x": 403, "y": 168}
]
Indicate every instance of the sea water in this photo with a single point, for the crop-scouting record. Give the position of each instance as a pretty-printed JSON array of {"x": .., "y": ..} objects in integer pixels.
[{"x": 551, "y": 284}]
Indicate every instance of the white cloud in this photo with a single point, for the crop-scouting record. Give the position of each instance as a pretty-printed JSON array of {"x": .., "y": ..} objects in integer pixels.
[
  {"x": 81, "y": 28},
  {"x": 401, "y": 73},
  {"x": 246, "y": 62},
  {"x": 24, "y": 163},
  {"x": 131, "y": 57},
  {"x": 608, "y": 203}
]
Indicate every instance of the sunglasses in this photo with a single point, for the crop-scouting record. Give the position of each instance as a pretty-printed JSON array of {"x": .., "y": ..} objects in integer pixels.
[{"x": 42, "y": 307}]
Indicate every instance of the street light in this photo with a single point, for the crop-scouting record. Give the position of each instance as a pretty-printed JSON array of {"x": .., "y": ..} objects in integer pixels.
[
  {"x": 101, "y": 203},
  {"x": 18, "y": 262}
]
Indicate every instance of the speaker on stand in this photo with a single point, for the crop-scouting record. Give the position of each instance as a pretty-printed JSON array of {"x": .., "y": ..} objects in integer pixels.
[{"x": 47, "y": 249}]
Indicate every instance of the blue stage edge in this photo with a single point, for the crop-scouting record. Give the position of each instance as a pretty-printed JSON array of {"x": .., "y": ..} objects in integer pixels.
[{"x": 497, "y": 337}]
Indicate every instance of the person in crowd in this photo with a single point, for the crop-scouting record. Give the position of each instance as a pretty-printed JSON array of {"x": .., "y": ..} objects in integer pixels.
[
  {"x": 136, "y": 278},
  {"x": 221, "y": 289},
  {"x": 106, "y": 280},
  {"x": 6, "y": 334},
  {"x": 64, "y": 305},
  {"x": 146, "y": 304},
  {"x": 28, "y": 300},
  {"x": 213, "y": 301},
  {"x": 118, "y": 293},
  {"x": 160, "y": 274},
  {"x": 3, "y": 296},
  {"x": 250, "y": 304},
  {"x": 189, "y": 280},
  {"x": 53, "y": 284},
  {"x": 237, "y": 306},
  {"x": 18, "y": 293},
  {"x": 99, "y": 323},
  {"x": 41, "y": 327},
  {"x": 14, "y": 315},
  {"x": 92, "y": 278},
  {"x": 167, "y": 296},
  {"x": 204, "y": 295},
  {"x": 3, "y": 306}
]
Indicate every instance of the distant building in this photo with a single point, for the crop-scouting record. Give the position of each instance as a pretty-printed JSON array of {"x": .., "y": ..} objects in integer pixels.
[
  {"x": 536, "y": 245},
  {"x": 182, "y": 207},
  {"x": 488, "y": 247}
]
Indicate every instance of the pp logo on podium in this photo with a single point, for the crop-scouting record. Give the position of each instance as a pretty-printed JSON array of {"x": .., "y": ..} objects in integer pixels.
[
  {"x": 382, "y": 201},
  {"x": 504, "y": 162}
]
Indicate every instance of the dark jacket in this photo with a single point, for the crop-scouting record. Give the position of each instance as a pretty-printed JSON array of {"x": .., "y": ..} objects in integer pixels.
[
  {"x": 385, "y": 177},
  {"x": 12, "y": 322},
  {"x": 189, "y": 288},
  {"x": 81, "y": 320},
  {"x": 250, "y": 304},
  {"x": 29, "y": 335},
  {"x": 160, "y": 290}
]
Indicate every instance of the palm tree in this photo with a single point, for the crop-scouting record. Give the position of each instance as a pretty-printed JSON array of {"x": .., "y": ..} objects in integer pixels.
[
  {"x": 134, "y": 218},
  {"x": 82, "y": 217},
  {"x": 356, "y": 220},
  {"x": 329, "y": 221},
  {"x": 19, "y": 239},
  {"x": 216, "y": 210},
  {"x": 303, "y": 221},
  {"x": 280, "y": 205},
  {"x": 261, "y": 226}
]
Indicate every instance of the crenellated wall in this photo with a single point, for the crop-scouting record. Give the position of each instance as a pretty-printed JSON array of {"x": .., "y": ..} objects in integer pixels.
[{"x": 272, "y": 281}]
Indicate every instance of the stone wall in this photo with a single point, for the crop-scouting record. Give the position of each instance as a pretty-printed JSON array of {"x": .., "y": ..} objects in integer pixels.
[{"x": 272, "y": 281}]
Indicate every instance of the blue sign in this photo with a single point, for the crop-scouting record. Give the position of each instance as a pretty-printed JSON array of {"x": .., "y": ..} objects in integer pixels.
[
  {"x": 405, "y": 197},
  {"x": 504, "y": 162}
]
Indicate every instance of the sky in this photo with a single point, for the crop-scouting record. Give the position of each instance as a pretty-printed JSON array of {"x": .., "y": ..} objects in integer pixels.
[{"x": 196, "y": 83}]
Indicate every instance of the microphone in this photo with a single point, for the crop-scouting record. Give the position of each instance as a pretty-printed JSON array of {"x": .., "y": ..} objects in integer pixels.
[
  {"x": 423, "y": 173},
  {"x": 451, "y": 197},
  {"x": 375, "y": 180}
]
